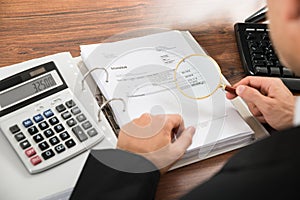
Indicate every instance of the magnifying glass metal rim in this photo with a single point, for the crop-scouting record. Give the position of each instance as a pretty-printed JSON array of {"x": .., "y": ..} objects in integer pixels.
[{"x": 220, "y": 85}]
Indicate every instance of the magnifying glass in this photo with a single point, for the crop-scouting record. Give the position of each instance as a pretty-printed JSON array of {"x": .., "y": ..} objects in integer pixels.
[{"x": 198, "y": 76}]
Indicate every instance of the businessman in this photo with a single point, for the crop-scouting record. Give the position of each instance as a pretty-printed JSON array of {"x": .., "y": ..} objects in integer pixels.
[{"x": 268, "y": 169}]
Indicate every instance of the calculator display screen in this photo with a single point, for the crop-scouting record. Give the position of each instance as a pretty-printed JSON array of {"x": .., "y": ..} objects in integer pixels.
[
  {"x": 28, "y": 89},
  {"x": 30, "y": 86}
]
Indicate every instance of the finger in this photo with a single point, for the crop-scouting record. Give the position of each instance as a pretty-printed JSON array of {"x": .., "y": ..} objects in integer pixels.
[
  {"x": 262, "y": 84},
  {"x": 143, "y": 120},
  {"x": 147, "y": 126},
  {"x": 177, "y": 126},
  {"x": 261, "y": 119},
  {"x": 230, "y": 95},
  {"x": 253, "y": 81},
  {"x": 252, "y": 95},
  {"x": 179, "y": 129},
  {"x": 183, "y": 142},
  {"x": 176, "y": 120},
  {"x": 173, "y": 122},
  {"x": 254, "y": 110}
]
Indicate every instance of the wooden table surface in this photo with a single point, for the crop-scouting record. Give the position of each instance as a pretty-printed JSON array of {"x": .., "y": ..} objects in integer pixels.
[{"x": 31, "y": 29}]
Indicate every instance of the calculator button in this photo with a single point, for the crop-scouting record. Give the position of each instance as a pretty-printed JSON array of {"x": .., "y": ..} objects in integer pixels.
[
  {"x": 19, "y": 136},
  {"x": 79, "y": 133},
  {"x": 25, "y": 144},
  {"x": 38, "y": 118},
  {"x": 59, "y": 128},
  {"x": 70, "y": 143},
  {"x": 43, "y": 125},
  {"x": 54, "y": 140},
  {"x": 30, "y": 152},
  {"x": 33, "y": 130},
  {"x": 27, "y": 123},
  {"x": 14, "y": 129},
  {"x": 44, "y": 145},
  {"x": 53, "y": 121},
  {"x": 35, "y": 160},
  {"x": 70, "y": 104},
  {"x": 86, "y": 125},
  {"x": 60, "y": 148},
  {"x": 71, "y": 122},
  {"x": 48, "y": 154},
  {"x": 48, "y": 133},
  {"x": 60, "y": 108},
  {"x": 81, "y": 118},
  {"x": 48, "y": 113},
  {"x": 38, "y": 138},
  {"x": 64, "y": 135},
  {"x": 66, "y": 115},
  {"x": 75, "y": 110},
  {"x": 92, "y": 132}
]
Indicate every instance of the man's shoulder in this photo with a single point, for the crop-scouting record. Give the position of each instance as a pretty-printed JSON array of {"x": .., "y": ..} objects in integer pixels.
[{"x": 280, "y": 146}]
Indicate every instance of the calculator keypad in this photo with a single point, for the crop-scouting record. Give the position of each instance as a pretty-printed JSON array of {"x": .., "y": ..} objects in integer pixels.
[{"x": 53, "y": 132}]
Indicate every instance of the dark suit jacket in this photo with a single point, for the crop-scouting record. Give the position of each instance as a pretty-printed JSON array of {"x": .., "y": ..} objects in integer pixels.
[{"x": 268, "y": 169}]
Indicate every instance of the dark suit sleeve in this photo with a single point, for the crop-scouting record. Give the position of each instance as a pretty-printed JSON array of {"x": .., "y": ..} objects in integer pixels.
[
  {"x": 115, "y": 174},
  {"x": 267, "y": 169}
]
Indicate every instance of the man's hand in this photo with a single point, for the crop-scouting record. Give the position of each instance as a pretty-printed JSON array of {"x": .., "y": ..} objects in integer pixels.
[
  {"x": 161, "y": 138},
  {"x": 268, "y": 99}
]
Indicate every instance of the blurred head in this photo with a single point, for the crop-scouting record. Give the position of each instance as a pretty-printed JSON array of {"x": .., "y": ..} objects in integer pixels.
[{"x": 284, "y": 17}]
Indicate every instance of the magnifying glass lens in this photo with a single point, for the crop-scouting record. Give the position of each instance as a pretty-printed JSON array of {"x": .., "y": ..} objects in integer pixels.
[{"x": 197, "y": 76}]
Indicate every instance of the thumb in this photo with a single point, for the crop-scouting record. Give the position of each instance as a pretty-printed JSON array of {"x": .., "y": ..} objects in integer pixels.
[
  {"x": 251, "y": 95},
  {"x": 184, "y": 141}
]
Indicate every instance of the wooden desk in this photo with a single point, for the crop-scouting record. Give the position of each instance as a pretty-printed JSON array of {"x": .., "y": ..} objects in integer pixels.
[{"x": 31, "y": 29}]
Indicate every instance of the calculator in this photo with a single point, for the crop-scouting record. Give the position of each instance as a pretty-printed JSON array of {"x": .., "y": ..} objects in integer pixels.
[{"x": 44, "y": 113}]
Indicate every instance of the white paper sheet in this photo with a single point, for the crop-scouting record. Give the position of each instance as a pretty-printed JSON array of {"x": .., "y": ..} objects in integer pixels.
[{"x": 141, "y": 72}]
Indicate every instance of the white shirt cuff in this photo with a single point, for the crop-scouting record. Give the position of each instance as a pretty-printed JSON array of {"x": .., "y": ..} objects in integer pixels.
[{"x": 297, "y": 112}]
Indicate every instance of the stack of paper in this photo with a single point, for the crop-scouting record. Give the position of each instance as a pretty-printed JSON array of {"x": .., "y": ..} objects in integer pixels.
[{"x": 140, "y": 70}]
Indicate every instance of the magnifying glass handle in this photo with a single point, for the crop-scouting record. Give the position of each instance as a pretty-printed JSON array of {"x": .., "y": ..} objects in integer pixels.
[{"x": 230, "y": 89}]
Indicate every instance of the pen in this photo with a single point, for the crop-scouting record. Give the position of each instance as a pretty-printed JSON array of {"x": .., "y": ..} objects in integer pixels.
[{"x": 258, "y": 16}]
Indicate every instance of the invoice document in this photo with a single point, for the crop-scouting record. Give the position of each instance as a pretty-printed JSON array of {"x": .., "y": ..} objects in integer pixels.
[{"x": 141, "y": 72}]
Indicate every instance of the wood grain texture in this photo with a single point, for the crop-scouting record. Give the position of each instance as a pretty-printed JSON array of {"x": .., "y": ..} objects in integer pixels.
[{"x": 31, "y": 29}]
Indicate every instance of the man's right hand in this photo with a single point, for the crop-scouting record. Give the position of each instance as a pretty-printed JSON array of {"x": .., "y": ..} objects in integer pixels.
[{"x": 268, "y": 99}]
